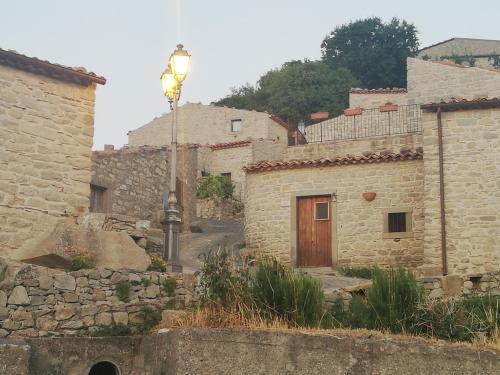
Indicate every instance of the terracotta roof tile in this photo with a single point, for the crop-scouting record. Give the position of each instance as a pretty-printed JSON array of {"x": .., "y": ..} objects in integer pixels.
[
  {"x": 265, "y": 166},
  {"x": 460, "y": 103},
  {"x": 388, "y": 90},
  {"x": 222, "y": 146},
  {"x": 35, "y": 65}
]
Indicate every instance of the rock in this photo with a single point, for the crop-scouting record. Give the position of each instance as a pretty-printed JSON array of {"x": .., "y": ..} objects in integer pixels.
[
  {"x": 152, "y": 291},
  {"x": 170, "y": 317},
  {"x": 46, "y": 323},
  {"x": 66, "y": 282},
  {"x": 103, "y": 319},
  {"x": 46, "y": 282},
  {"x": 37, "y": 300},
  {"x": 120, "y": 317},
  {"x": 19, "y": 296},
  {"x": 72, "y": 324},
  {"x": 118, "y": 277},
  {"x": 88, "y": 321},
  {"x": 87, "y": 310},
  {"x": 106, "y": 273},
  {"x": 64, "y": 313},
  {"x": 70, "y": 297},
  {"x": 141, "y": 242},
  {"x": 3, "y": 333},
  {"x": 82, "y": 281},
  {"x": 99, "y": 295},
  {"x": 3, "y": 298},
  {"x": 94, "y": 275},
  {"x": 134, "y": 278},
  {"x": 195, "y": 228},
  {"x": 4, "y": 313}
]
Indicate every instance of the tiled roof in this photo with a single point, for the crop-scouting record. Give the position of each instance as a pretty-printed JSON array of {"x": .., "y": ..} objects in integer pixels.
[
  {"x": 222, "y": 146},
  {"x": 265, "y": 166},
  {"x": 279, "y": 121},
  {"x": 388, "y": 90},
  {"x": 459, "y": 103},
  {"x": 37, "y": 66}
]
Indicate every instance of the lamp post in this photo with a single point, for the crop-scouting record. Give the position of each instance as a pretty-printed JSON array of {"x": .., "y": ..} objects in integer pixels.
[{"x": 171, "y": 80}]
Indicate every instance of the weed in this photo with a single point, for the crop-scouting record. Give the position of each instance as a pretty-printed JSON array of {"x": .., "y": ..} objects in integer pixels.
[
  {"x": 150, "y": 317},
  {"x": 146, "y": 282},
  {"x": 215, "y": 187},
  {"x": 112, "y": 330},
  {"x": 157, "y": 264},
  {"x": 361, "y": 273},
  {"x": 169, "y": 285},
  {"x": 123, "y": 291}
]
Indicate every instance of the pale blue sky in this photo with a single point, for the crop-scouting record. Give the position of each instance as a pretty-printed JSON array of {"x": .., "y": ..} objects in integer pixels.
[{"x": 232, "y": 42}]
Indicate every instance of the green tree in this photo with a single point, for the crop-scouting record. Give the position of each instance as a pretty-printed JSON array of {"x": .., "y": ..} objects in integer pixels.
[
  {"x": 375, "y": 52},
  {"x": 296, "y": 90}
]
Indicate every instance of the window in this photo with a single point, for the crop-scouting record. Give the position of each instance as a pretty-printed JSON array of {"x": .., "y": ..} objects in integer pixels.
[
  {"x": 398, "y": 223},
  {"x": 97, "y": 195},
  {"x": 236, "y": 125},
  {"x": 227, "y": 174},
  {"x": 321, "y": 211}
]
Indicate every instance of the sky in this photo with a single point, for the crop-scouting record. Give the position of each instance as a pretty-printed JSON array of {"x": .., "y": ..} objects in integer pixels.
[{"x": 231, "y": 41}]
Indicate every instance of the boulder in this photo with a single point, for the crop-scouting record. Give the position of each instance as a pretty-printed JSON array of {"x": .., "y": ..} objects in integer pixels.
[{"x": 66, "y": 282}]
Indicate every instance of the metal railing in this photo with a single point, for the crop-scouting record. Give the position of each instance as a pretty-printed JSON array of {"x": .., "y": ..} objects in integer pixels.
[{"x": 370, "y": 123}]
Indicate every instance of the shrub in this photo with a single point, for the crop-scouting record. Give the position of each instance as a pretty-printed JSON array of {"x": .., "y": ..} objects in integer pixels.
[
  {"x": 169, "y": 285},
  {"x": 149, "y": 318},
  {"x": 112, "y": 330},
  {"x": 282, "y": 292},
  {"x": 157, "y": 264},
  {"x": 361, "y": 273},
  {"x": 80, "y": 259},
  {"x": 146, "y": 282},
  {"x": 123, "y": 291},
  {"x": 215, "y": 187}
]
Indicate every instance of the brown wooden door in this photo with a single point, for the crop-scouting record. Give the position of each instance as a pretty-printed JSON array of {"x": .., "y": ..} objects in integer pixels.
[{"x": 314, "y": 232}]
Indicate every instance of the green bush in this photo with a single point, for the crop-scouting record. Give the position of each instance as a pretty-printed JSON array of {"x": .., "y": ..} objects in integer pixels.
[
  {"x": 169, "y": 284},
  {"x": 157, "y": 264},
  {"x": 215, "y": 187},
  {"x": 280, "y": 291},
  {"x": 146, "y": 282},
  {"x": 113, "y": 330},
  {"x": 123, "y": 291},
  {"x": 150, "y": 317},
  {"x": 361, "y": 273}
]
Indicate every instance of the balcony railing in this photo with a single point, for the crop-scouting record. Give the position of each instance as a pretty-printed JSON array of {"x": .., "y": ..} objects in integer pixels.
[{"x": 366, "y": 123}]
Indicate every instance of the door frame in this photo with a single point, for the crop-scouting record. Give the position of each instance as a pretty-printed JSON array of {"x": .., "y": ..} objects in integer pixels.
[{"x": 293, "y": 222}]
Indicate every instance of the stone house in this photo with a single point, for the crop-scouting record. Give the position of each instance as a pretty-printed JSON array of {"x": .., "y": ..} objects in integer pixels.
[
  {"x": 484, "y": 52},
  {"x": 227, "y": 138},
  {"x": 47, "y": 125},
  {"x": 421, "y": 193}
]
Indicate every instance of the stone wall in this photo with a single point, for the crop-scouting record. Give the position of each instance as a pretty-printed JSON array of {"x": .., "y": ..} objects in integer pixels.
[
  {"x": 430, "y": 82},
  {"x": 235, "y": 351},
  {"x": 45, "y": 149},
  {"x": 353, "y": 147},
  {"x": 226, "y": 209},
  {"x": 359, "y": 224},
  {"x": 462, "y": 285},
  {"x": 136, "y": 178},
  {"x": 40, "y": 301},
  {"x": 471, "y": 179},
  {"x": 375, "y": 100},
  {"x": 208, "y": 124}
]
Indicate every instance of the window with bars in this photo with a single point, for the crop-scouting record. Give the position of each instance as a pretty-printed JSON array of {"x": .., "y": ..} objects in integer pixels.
[
  {"x": 236, "y": 125},
  {"x": 397, "y": 222}
]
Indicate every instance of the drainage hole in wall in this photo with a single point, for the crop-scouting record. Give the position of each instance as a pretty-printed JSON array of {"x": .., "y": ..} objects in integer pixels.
[{"x": 104, "y": 368}]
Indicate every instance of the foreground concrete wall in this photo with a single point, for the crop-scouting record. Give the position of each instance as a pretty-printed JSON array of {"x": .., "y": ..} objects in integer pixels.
[
  {"x": 270, "y": 217},
  {"x": 46, "y": 134},
  {"x": 226, "y": 351},
  {"x": 472, "y": 184}
]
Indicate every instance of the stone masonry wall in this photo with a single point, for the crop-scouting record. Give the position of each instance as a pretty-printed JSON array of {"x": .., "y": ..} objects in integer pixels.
[
  {"x": 207, "y": 124},
  {"x": 359, "y": 224},
  {"x": 226, "y": 209},
  {"x": 45, "y": 302},
  {"x": 373, "y": 100},
  {"x": 136, "y": 178},
  {"x": 472, "y": 191},
  {"x": 45, "y": 148},
  {"x": 430, "y": 82}
]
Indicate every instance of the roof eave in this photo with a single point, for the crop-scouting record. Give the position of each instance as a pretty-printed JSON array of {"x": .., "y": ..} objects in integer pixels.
[{"x": 461, "y": 105}]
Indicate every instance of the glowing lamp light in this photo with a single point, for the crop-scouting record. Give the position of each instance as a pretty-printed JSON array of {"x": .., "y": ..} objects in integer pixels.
[
  {"x": 168, "y": 83},
  {"x": 179, "y": 63}
]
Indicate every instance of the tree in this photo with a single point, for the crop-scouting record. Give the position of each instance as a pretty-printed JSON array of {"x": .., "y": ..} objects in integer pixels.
[
  {"x": 296, "y": 90},
  {"x": 375, "y": 52}
]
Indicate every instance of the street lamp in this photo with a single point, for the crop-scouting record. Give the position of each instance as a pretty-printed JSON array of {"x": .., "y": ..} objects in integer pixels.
[{"x": 171, "y": 80}]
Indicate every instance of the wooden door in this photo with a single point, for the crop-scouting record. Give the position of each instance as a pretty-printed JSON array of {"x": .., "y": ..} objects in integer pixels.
[{"x": 314, "y": 232}]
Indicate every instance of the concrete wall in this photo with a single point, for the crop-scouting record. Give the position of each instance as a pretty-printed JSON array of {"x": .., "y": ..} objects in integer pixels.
[
  {"x": 46, "y": 134},
  {"x": 208, "y": 124},
  {"x": 270, "y": 220},
  {"x": 136, "y": 178},
  {"x": 225, "y": 351},
  {"x": 375, "y": 100},
  {"x": 472, "y": 199},
  {"x": 430, "y": 82}
]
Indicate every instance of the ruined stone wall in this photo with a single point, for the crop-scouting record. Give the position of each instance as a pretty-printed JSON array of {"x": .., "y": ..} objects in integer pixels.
[
  {"x": 45, "y": 302},
  {"x": 354, "y": 147},
  {"x": 359, "y": 241},
  {"x": 207, "y": 124},
  {"x": 471, "y": 179},
  {"x": 375, "y": 100},
  {"x": 225, "y": 209},
  {"x": 430, "y": 82},
  {"x": 136, "y": 178},
  {"x": 46, "y": 134}
]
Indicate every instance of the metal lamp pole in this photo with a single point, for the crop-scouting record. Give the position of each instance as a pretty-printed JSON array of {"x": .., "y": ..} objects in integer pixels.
[{"x": 172, "y": 80}]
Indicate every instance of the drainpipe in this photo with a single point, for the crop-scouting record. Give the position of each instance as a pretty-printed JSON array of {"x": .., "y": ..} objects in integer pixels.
[{"x": 444, "y": 257}]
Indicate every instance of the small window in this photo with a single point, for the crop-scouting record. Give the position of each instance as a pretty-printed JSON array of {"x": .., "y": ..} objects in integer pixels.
[
  {"x": 321, "y": 211},
  {"x": 236, "y": 125},
  {"x": 397, "y": 222},
  {"x": 97, "y": 194},
  {"x": 228, "y": 175}
]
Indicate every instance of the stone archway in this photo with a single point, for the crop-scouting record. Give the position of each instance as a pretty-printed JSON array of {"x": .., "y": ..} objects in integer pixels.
[{"x": 104, "y": 368}]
